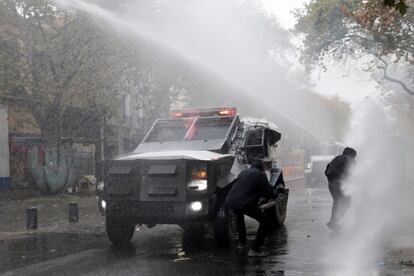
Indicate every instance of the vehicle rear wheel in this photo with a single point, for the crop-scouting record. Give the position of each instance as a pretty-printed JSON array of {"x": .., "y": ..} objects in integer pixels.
[
  {"x": 224, "y": 226},
  {"x": 120, "y": 231}
]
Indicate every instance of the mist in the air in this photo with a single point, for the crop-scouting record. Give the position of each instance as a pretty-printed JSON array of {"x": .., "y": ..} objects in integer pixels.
[
  {"x": 236, "y": 56},
  {"x": 381, "y": 192},
  {"x": 230, "y": 52}
]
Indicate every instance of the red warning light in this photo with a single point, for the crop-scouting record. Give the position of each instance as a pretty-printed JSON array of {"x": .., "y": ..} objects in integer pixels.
[
  {"x": 176, "y": 114},
  {"x": 203, "y": 112},
  {"x": 227, "y": 112}
]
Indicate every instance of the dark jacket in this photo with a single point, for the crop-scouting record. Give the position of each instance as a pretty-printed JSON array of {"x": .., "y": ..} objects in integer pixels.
[
  {"x": 338, "y": 168},
  {"x": 251, "y": 184}
]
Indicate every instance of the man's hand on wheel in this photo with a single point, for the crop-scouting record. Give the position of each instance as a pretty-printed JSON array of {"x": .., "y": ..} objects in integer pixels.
[
  {"x": 280, "y": 189},
  {"x": 267, "y": 205}
]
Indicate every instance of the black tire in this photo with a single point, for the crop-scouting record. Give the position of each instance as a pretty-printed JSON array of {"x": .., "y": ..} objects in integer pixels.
[
  {"x": 278, "y": 212},
  {"x": 224, "y": 226},
  {"x": 119, "y": 231},
  {"x": 281, "y": 207},
  {"x": 193, "y": 233}
]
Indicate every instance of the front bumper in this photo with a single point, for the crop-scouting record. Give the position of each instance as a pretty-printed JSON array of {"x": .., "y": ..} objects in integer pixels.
[{"x": 160, "y": 212}]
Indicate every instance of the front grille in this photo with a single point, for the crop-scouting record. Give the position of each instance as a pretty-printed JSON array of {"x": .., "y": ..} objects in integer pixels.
[
  {"x": 122, "y": 178},
  {"x": 163, "y": 181},
  {"x": 121, "y": 184}
]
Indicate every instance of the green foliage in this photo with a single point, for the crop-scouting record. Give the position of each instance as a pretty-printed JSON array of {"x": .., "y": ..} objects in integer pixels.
[
  {"x": 401, "y": 6},
  {"x": 336, "y": 29},
  {"x": 53, "y": 60},
  {"x": 324, "y": 24},
  {"x": 341, "y": 27}
]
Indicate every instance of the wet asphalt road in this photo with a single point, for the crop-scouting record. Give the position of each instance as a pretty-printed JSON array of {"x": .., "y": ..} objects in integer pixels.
[{"x": 296, "y": 249}]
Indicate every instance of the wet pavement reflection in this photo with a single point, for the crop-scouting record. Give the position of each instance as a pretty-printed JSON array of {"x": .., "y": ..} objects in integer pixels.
[
  {"x": 37, "y": 247},
  {"x": 295, "y": 249}
]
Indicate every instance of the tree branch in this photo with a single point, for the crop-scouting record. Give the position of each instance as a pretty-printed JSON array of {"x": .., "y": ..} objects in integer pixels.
[
  {"x": 42, "y": 31},
  {"x": 387, "y": 77},
  {"x": 70, "y": 77}
]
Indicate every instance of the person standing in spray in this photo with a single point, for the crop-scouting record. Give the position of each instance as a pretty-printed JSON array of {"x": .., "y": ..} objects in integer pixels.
[{"x": 337, "y": 171}]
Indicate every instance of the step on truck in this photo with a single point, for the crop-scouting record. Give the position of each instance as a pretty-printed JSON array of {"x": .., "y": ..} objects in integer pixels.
[{"x": 182, "y": 171}]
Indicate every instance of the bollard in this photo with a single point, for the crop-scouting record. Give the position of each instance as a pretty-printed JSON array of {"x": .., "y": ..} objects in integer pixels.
[
  {"x": 73, "y": 212},
  {"x": 31, "y": 218}
]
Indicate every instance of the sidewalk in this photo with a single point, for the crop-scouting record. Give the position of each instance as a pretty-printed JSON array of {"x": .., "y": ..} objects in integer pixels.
[{"x": 52, "y": 213}]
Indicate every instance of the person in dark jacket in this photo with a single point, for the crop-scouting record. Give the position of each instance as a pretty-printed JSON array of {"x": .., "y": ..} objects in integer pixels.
[
  {"x": 337, "y": 171},
  {"x": 243, "y": 198}
]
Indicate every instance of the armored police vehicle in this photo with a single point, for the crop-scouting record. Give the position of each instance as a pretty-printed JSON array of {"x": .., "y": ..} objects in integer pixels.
[{"x": 182, "y": 171}]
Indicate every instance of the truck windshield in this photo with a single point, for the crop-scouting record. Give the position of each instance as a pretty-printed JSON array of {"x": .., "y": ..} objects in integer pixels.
[
  {"x": 210, "y": 128},
  {"x": 169, "y": 130},
  {"x": 186, "y": 129}
]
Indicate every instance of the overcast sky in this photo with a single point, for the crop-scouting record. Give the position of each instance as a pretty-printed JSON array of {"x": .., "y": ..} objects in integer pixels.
[
  {"x": 283, "y": 9},
  {"x": 345, "y": 80}
]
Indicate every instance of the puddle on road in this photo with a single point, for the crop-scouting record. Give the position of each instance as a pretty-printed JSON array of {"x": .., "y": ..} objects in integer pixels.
[
  {"x": 38, "y": 247},
  {"x": 233, "y": 260}
]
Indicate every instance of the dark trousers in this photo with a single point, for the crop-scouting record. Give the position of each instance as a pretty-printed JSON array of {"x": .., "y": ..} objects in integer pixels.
[
  {"x": 264, "y": 225},
  {"x": 340, "y": 201}
]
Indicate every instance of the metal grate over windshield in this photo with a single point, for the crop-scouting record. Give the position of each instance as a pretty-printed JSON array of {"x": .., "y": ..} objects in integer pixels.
[
  {"x": 210, "y": 128},
  {"x": 169, "y": 130},
  {"x": 190, "y": 129}
]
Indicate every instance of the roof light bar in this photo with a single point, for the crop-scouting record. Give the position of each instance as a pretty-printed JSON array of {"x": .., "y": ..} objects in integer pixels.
[{"x": 203, "y": 112}]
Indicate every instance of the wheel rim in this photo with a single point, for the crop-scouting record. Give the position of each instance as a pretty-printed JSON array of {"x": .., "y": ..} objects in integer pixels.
[{"x": 281, "y": 208}]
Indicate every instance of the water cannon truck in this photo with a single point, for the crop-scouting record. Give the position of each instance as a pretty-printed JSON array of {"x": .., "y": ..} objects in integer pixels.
[{"x": 182, "y": 171}]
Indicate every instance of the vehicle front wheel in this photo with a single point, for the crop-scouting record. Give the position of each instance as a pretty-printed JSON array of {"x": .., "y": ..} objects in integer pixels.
[
  {"x": 193, "y": 232},
  {"x": 120, "y": 231},
  {"x": 224, "y": 226}
]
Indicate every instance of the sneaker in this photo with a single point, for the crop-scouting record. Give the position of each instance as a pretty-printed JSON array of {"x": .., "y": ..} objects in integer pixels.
[{"x": 254, "y": 253}]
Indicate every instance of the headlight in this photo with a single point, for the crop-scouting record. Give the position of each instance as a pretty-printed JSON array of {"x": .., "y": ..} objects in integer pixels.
[
  {"x": 196, "y": 206},
  {"x": 197, "y": 185},
  {"x": 309, "y": 165},
  {"x": 198, "y": 179},
  {"x": 103, "y": 204}
]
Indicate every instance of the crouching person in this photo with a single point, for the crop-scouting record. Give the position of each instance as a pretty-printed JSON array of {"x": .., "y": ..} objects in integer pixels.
[{"x": 243, "y": 198}]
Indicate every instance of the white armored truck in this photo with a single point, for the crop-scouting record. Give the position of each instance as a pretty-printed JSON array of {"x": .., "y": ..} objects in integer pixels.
[{"x": 182, "y": 171}]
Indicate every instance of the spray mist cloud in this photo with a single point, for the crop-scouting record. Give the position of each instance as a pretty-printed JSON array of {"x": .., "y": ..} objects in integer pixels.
[
  {"x": 381, "y": 196},
  {"x": 232, "y": 43}
]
